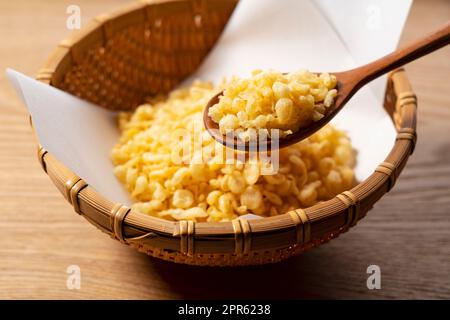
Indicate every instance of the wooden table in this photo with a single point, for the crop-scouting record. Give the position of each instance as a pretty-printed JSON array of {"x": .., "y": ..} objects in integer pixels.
[{"x": 407, "y": 233}]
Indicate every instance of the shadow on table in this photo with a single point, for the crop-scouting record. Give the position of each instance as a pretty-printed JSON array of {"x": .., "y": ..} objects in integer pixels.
[{"x": 310, "y": 275}]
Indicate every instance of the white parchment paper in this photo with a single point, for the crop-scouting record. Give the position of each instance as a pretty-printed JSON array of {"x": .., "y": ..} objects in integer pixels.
[{"x": 286, "y": 35}]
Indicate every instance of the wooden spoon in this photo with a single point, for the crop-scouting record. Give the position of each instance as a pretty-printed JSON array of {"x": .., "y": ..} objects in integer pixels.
[{"x": 348, "y": 83}]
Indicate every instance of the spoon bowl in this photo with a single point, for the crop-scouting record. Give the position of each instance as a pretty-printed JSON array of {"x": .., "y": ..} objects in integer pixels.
[
  {"x": 348, "y": 83},
  {"x": 230, "y": 141}
]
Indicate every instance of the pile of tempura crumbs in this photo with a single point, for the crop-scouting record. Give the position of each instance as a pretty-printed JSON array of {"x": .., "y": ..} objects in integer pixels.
[
  {"x": 187, "y": 179},
  {"x": 273, "y": 100}
]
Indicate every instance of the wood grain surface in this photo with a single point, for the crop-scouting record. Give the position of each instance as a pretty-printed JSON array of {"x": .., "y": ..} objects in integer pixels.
[{"x": 407, "y": 233}]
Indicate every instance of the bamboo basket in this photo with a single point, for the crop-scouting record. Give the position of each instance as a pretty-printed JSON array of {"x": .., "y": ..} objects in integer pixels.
[{"x": 148, "y": 48}]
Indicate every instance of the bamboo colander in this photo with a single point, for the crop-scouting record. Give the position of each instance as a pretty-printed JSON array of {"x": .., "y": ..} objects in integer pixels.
[{"x": 148, "y": 48}]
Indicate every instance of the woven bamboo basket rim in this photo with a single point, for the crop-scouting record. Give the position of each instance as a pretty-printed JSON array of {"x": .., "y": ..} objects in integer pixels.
[{"x": 240, "y": 241}]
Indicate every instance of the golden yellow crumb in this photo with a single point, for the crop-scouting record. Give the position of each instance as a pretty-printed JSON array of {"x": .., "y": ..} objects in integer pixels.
[
  {"x": 173, "y": 168},
  {"x": 272, "y": 100}
]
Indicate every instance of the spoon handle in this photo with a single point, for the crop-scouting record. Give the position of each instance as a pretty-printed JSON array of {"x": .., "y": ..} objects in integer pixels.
[{"x": 398, "y": 58}]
